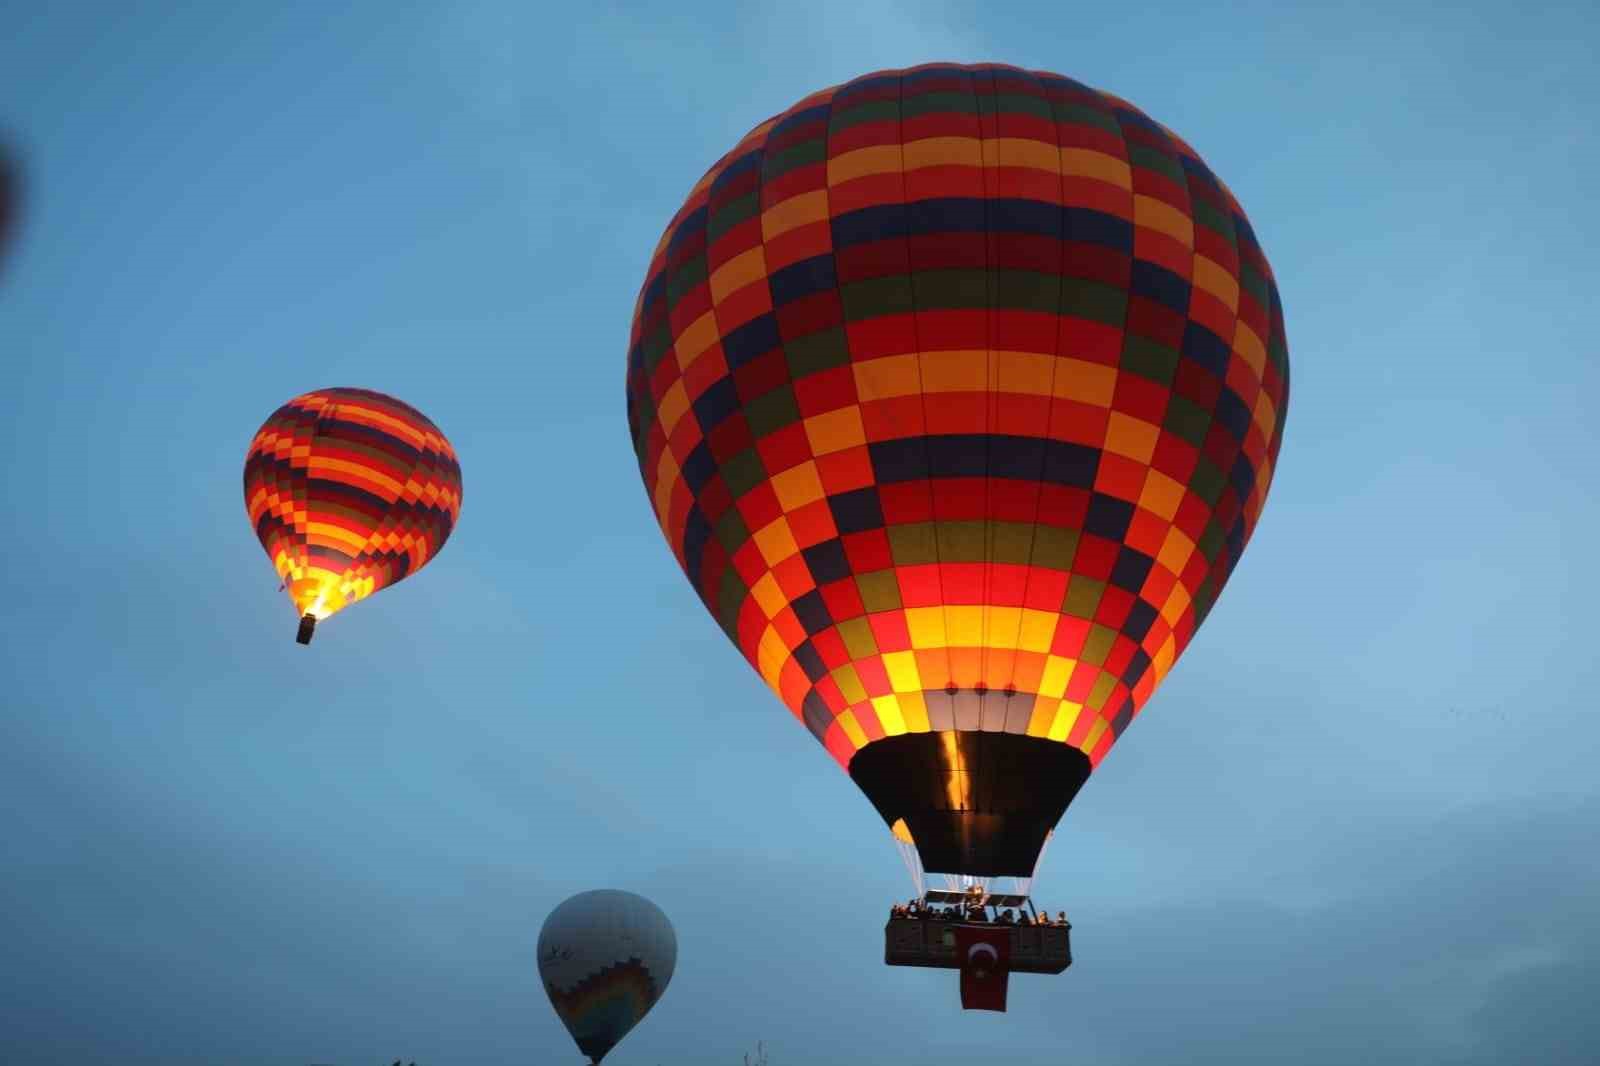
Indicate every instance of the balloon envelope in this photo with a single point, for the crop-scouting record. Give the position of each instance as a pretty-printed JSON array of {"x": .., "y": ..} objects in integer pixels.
[
  {"x": 957, "y": 393},
  {"x": 605, "y": 957},
  {"x": 349, "y": 491}
]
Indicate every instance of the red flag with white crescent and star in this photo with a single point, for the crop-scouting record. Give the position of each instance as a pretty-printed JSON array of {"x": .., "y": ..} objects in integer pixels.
[{"x": 985, "y": 956}]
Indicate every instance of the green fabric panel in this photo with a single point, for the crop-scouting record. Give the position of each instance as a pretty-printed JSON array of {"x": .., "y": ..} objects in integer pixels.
[
  {"x": 913, "y": 544},
  {"x": 1209, "y": 216},
  {"x": 857, "y": 636},
  {"x": 1149, "y": 360},
  {"x": 655, "y": 345},
  {"x": 948, "y": 290},
  {"x": 1010, "y": 543},
  {"x": 961, "y": 542},
  {"x": 731, "y": 595},
  {"x": 1083, "y": 596},
  {"x": 743, "y": 472},
  {"x": 770, "y": 413},
  {"x": 1054, "y": 546},
  {"x": 682, "y": 281},
  {"x": 731, "y": 531},
  {"x": 818, "y": 351},
  {"x": 731, "y": 214},
  {"x": 872, "y": 111},
  {"x": 889, "y": 295},
  {"x": 1098, "y": 646},
  {"x": 1142, "y": 155},
  {"x": 806, "y": 153},
  {"x": 1211, "y": 540},
  {"x": 880, "y": 591},
  {"x": 1099, "y": 691},
  {"x": 1027, "y": 290},
  {"x": 1186, "y": 419},
  {"x": 1084, "y": 115},
  {"x": 1094, "y": 301},
  {"x": 938, "y": 103},
  {"x": 1207, "y": 482}
]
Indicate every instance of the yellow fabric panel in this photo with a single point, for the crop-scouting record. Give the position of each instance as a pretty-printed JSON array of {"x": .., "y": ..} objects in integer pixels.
[
  {"x": 701, "y": 334},
  {"x": 1175, "y": 550},
  {"x": 1077, "y": 379},
  {"x": 1214, "y": 278},
  {"x": 1250, "y": 348},
  {"x": 943, "y": 152},
  {"x": 770, "y": 657},
  {"x": 775, "y": 541},
  {"x": 1087, "y": 163},
  {"x": 1132, "y": 437},
  {"x": 926, "y": 626},
  {"x": 1026, "y": 373},
  {"x": 1177, "y": 600},
  {"x": 1066, "y": 718},
  {"x": 863, "y": 162},
  {"x": 1161, "y": 662},
  {"x": 361, "y": 470},
  {"x": 1265, "y": 414},
  {"x": 963, "y": 625},
  {"x": 341, "y": 537},
  {"x": 1161, "y": 495},
  {"x": 955, "y": 371},
  {"x": 888, "y": 711},
  {"x": 915, "y": 710},
  {"x": 768, "y": 596},
  {"x": 1044, "y": 714},
  {"x": 1057, "y": 671},
  {"x": 746, "y": 267},
  {"x": 1164, "y": 218},
  {"x": 1004, "y": 627},
  {"x": 1022, "y": 152},
  {"x": 852, "y": 729},
  {"x": 673, "y": 406},
  {"x": 836, "y": 430},
  {"x": 1037, "y": 629},
  {"x": 892, "y": 375},
  {"x": 901, "y": 666},
  {"x": 798, "y": 486},
  {"x": 782, "y": 217}
]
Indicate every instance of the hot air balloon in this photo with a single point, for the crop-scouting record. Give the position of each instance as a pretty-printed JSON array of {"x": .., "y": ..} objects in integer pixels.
[
  {"x": 605, "y": 957},
  {"x": 957, "y": 392},
  {"x": 349, "y": 491}
]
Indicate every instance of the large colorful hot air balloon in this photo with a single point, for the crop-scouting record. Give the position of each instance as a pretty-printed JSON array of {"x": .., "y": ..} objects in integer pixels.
[
  {"x": 605, "y": 957},
  {"x": 957, "y": 393},
  {"x": 349, "y": 491}
]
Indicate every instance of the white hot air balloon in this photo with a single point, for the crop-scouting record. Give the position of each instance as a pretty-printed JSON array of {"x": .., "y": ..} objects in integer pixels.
[{"x": 605, "y": 957}]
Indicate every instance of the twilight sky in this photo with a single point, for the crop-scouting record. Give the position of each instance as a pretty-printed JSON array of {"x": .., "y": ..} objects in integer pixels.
[{"x": 1356, "y": 822}]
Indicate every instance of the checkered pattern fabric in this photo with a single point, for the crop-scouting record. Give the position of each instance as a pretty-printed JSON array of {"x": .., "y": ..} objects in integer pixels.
[
  {"x": 349, "y": 491},
  {"x": 957, "y": 393}
]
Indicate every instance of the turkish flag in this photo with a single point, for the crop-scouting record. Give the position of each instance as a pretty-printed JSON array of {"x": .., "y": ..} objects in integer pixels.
[{"x": 985, "y": 956}]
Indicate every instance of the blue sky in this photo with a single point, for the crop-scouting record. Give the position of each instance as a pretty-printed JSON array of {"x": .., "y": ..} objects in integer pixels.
[{"x": 1357, "y": 820}]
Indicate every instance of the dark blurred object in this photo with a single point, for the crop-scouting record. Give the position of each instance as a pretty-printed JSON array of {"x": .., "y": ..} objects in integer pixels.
[{"x": 10, "y": 197}]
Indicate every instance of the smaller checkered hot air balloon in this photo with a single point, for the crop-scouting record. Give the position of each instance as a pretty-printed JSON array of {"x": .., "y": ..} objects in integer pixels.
[
  {"x": 349, "y": 491},
  {"x": 605, "y": 957}
]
